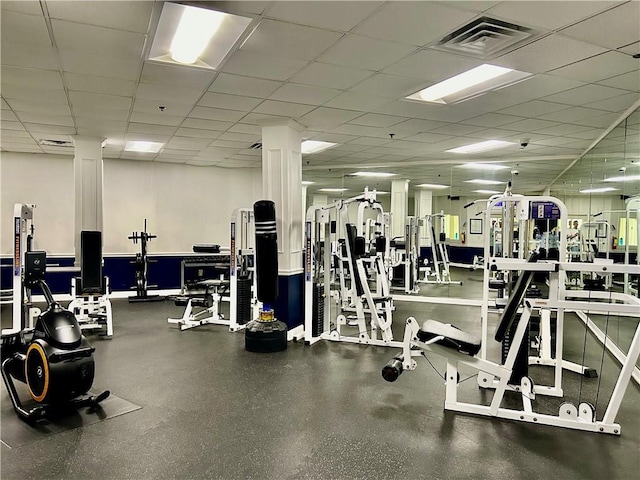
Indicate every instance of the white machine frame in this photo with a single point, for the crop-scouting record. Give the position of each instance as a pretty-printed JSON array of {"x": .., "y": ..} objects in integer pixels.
[
  {"x": 207, "y": 316},
  {"x": 89, "y": 308},
  {"x": 633, "y": 206},
  {"x": 440, "y": 257}
]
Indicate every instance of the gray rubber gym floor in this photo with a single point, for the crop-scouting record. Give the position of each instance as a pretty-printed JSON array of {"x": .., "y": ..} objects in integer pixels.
[{"x": 212, "y": 410}]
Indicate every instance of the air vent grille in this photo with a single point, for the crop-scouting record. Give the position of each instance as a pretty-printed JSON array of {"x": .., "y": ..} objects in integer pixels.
[
  {"x": 485, "y": 37},
  {"x": 56, "y": 143},
  {"x": 256, "y": 146}
]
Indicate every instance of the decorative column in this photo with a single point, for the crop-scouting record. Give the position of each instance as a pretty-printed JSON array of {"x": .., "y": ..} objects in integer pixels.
[
  {"x": 423, "y": 206},
  {"x": 88, "y": 178},
  {"x": 282, "y": 183},
  {"x": 399, "y": 206}
]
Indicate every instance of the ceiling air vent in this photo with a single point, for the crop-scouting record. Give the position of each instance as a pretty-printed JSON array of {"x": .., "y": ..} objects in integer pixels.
[
  {"x": 256, "y": 146},
  {"x": 485, "y": 38},
  {"x": 56, "y": 143}
]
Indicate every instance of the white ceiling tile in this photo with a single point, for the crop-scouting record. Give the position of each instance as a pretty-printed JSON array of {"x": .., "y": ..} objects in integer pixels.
[
  {"x": 291, "y": 92},
  {"x": 38, "y": 128},
  {"x": 247, "y": 86},
  {"x": 571, "y": 114},
  {"x": 389, "y": 86},
  {"x": 342, "y": 16},
  {"x": 95, "y": 84},
  {"x": 563, "y": 129},
  {"x": 263, "y": 66},
  {"x": 330, "y": 76},
  {"x": 165, "y": 130},
  {"x": 243, "y": 7},
  {"x": 370, "y": 141},
  {"x": 359, "y": 130},
  {"x": 99, "y": 102},
  {"x": 533, "y": 108},
  {"x": 31, "y": 78},
  {"x": 30, "y": 8},
  {"x": 100, "y": 41},
  {"x": 90, "y": 64},
  {"x": 528, "y": 125},
  {"x": 365, "y": 53},
  {"x": 207, "y": 113},
  {"x": 148, "y": 137},
  {"x": 289, "y": 41},
  {"x": 187, "y": 143},
  {"x": 179, "y": 76},
  {"x": 197, "y": 133},
  {"x": 415, "y": 23},
  {"x": 283, "y": 108},
  {"x": 156, "y": 118},
  {"x": 585, "y": 94},
  {"x": 246, "y": 138},
  {"x": 99, "y": 124},
  {"x": 491, "y": 120},
  {"x": 631, "y": 49},
  {"x": 38, "y": 107},
  {"x": 16, "y": 147},
  {"x": 168, "y": 93},
  {"x": 323, "y": 117},
  {"x": 170, "y": 108},
  {"x": 238, "y": 146},
  {"x": 547, "y": 53},
  {"x": 599, "y": 67},
  {"x": 131, "y": 16},
  {"x": 615, "y": 104},
  {"x": 24, "y": 29},
  {"x": 413, "y": 110},
  {"x": 32, "y": 117},
  {"x": 363, "y": 102},
  {"x": 206, "y": 124},
  {"x": 413, "y": 126},
  {"x": 473, "y": 5},
  {"x": 243, "y": 128},
  {"x": 546, "y": 15},
  {"x": 457, "y": 129},
  {"x": 171, "y": 159},
  {"x": 432, "y": 66},
  {"x": 377, "y": 120},
  {"x": 9, "y": 116},
  {"x": 612, "y": 29},
  {"x": 491, "y": 133},
  {"x": 229, "y": 102},
  {"x": 627, "y": 81},
  {"x": 601, "y": 121},
  {"x": 540, "y": 85},
  {"x": 30, "y": 56},
  {"x": 426, "y": 138}
]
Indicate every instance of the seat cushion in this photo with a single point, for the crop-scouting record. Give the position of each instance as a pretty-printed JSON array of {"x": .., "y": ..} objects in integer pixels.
[{"x": 453, "y": 337}]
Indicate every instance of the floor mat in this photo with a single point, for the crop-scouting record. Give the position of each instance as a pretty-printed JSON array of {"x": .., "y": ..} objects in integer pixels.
[{"x": 15, "y": 433}]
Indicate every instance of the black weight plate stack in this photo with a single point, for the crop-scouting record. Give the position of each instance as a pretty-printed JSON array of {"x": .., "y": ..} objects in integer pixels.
[
  {"x": 521, "y": 365},
  {"x": 317, "y": 322},
  {"x": 244, "y": 300}
]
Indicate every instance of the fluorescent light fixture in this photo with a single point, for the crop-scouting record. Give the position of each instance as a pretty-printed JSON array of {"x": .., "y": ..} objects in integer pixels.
[
  {"x": 433, "y": 186},
  {"x": 484, "y": 166},
  {"x": 480, "y": 181},
  {"x": 333, "y": 190},
  {"x": 623, "y": 178},
  {"x": 194, "y": 36},
  {"x": 315, "y": 146},
  {"x": 598, "y": 190},
  {"x": 307, "y": 182},
  {"x": 469, "y": 84},
  {"x": 377, "y": 192},
  {"x": 481, "y": 147},
  {"x": 373, "y": 174},
  {"x": 144, "y": 147},
  {"x": 487, "y": 192}
]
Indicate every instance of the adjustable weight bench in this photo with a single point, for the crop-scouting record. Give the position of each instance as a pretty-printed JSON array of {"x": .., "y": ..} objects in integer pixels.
[{"x": 209, "y": 302}]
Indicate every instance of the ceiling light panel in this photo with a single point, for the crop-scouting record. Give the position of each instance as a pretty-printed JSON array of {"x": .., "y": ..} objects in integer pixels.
[
  {"x": 484, "y": 166},
  {"x": 598, "y": 190},
  {"x": 481, "y": 147},
  {"x": 143, "y": 147},
  {"x": 487, "y": 192},
  {"x": 624, "y": 178},
  {"x": 372, "y": 174},
  {"x": 332, "y": 190},
  {"x": 315, "y": 146},
  {"x": 194, "y": 36},
  {"x": 474, "y": 82},
  {"x": 432, "y": 186}
]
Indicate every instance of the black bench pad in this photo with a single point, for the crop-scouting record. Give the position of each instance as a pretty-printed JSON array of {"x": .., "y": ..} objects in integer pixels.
[{"x": 453, "y": 337}]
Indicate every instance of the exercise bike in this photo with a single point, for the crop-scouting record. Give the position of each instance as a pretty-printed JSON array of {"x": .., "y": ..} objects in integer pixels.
[{"x": 54, "y": 359}]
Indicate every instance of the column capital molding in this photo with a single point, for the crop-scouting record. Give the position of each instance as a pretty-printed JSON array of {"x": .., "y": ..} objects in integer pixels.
[
  {"x": 86, "y": 138},
  {"x": 291, "y": 123}
]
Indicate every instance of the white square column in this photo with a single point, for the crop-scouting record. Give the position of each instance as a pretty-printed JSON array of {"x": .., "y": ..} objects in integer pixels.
[
  {"x": 88, "y": 182},
  {"x": 423, "y": 203},
  {"x": 399, "y": 206}
]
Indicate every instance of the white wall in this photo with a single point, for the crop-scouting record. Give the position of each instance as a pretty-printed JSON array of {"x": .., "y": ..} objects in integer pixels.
[{"x": 183, "y": 204}]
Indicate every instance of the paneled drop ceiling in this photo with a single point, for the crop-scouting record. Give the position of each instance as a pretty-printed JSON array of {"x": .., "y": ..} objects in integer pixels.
[{"x": 341, "y": 69}]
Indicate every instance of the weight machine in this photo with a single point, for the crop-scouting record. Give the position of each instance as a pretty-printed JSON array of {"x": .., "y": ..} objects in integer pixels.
[
  {"x": 403, "y": 259},
  {"x": 142, "y": 267},
  {"x": 319, "y": 295},
  {"x": 209, "y": 301},
  {"x": 90, "y": 291},
  {"x": 438, "y": 271},
  {"x": 632, "y": 211},
  {"x": 244, "y": 305}
]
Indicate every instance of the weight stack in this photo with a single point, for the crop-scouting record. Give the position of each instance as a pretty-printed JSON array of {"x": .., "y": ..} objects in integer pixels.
[
  {"x": 317, "y": 322},
  {"x": 521, "y": 365},
  {"x": 244, "y": 300}
]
